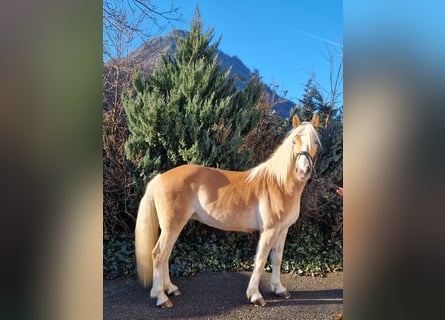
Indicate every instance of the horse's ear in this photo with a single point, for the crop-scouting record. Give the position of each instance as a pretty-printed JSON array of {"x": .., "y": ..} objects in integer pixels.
[
  {"x": 295, "y": 121},
  {"x": 316, "y": 121}
]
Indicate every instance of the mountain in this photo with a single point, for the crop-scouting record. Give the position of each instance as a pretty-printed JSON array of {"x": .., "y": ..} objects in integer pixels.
[{"x": 149, "y": 55}]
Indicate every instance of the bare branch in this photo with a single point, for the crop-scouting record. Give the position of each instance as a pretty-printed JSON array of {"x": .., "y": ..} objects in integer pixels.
[
  {"x": 132, "y": 21},
  {"x": 335, "y": 78}
]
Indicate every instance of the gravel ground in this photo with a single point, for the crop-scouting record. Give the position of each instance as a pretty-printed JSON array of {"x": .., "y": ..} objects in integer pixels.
[{"x": 222, "y": 296}]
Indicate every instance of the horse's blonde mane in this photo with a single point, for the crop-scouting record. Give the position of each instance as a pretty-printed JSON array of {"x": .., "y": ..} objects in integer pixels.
[{"x": 277, "y": 167}]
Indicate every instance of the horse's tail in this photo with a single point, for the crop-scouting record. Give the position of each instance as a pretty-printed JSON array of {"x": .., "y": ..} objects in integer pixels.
[{"x": 146, "y": 234}]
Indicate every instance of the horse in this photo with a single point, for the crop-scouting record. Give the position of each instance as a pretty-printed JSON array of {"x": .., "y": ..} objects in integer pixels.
[{"x": 265, "y": 198}]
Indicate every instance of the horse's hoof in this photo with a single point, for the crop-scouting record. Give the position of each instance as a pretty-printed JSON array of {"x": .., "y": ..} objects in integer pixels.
[
  {"x": 285, "y": 294},
  {"x": 166, "y": 304},
  {"x": 175, "y": 293},
  {"x": 259, "y": 302}
]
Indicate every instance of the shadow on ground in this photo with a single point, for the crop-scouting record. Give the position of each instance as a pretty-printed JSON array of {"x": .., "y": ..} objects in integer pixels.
[{"x": 222, "y": 296}]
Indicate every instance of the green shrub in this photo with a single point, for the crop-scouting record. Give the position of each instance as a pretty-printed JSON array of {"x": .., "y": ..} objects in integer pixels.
[{"x": 119, "y": 259}]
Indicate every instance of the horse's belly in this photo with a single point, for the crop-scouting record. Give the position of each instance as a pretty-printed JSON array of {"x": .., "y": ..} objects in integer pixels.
[{"x": 244, "y": 221}]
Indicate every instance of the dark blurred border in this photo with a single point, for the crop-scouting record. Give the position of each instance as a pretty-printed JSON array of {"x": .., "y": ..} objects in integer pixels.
[
  {"x": 51, "y": 168},
  {"x": 394, "y": 154}
]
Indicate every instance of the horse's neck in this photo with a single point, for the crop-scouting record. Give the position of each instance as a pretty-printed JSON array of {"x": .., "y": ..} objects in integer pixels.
[
  {"x": 294, "y": 189},
  {"x": 290, "y": 188}
]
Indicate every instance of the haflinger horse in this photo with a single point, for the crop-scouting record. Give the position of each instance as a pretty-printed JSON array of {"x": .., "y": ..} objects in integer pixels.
[{"x": 265, "y": 198}]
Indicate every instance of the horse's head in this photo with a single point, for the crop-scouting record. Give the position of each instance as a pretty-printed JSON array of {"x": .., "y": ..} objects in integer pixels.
[{"x": 305, "y": 145}]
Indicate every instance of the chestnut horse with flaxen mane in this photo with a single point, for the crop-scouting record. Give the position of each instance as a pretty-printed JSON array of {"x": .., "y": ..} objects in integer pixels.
[{"x": 265, "y": 198}]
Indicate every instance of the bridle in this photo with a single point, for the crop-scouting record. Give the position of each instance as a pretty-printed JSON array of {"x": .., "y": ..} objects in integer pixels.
[{"x": 306, "y": 154}]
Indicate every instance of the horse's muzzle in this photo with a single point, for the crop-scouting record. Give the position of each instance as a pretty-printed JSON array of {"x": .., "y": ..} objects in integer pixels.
[{"x": 303, "y": 173}]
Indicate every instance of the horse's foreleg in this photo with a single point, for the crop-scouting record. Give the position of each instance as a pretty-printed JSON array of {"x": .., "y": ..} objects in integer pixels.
[
  {"x": 276, "y": 256},
  {"x": 267, "y": 239}
]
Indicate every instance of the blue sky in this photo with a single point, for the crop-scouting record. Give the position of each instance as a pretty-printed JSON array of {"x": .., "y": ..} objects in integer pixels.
[{"x": 285, "y": 40}]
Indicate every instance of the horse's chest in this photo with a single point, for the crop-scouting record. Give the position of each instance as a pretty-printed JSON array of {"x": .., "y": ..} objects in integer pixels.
[
  {"x": 293, "y": 214},
  {"x": 283, "y": 211}
]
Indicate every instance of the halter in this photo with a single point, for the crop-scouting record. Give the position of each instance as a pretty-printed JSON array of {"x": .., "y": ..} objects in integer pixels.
[{"x": 312, "y": 161}]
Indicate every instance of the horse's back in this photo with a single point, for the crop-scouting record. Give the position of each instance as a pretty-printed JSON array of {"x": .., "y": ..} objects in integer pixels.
[
  {"x": 196, "y": 176},
  {"x": 183, "y": 184}
]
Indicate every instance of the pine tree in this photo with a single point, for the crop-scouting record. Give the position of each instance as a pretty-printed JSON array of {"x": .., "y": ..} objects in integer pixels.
[
  {"x": 312, "y": 101},
  {"x": 189, "y": 111}
]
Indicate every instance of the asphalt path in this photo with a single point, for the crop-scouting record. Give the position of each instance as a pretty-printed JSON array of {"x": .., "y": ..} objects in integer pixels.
[{"x": 222, "y": 296}]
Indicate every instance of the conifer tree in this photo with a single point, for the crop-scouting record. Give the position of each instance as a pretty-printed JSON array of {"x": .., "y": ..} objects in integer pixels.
[
  {"x": 189, "y": 111},
  {"x": 312, "y": 101}
]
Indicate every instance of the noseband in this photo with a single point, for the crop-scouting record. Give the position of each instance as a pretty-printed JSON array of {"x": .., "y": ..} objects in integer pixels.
[{"x": 308, "y": 156}]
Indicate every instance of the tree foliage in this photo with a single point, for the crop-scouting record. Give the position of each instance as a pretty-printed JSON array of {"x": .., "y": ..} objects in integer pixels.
[
  {"x": 189, "y": 111},
  {"x": 119, "y": 187},
  {"x": 269, "y": 133},
  {"x": 313, "y": 101}
]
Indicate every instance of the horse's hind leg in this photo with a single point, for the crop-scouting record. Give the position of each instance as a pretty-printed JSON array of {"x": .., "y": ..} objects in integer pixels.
[
  {"x": 161, "y": 278},
  {"x": 169, "y": 287},
  {"x": 276, "y": 255}
]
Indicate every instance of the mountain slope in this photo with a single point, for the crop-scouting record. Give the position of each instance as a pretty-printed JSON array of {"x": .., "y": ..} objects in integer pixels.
[{"x": 149, "y": 55}]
